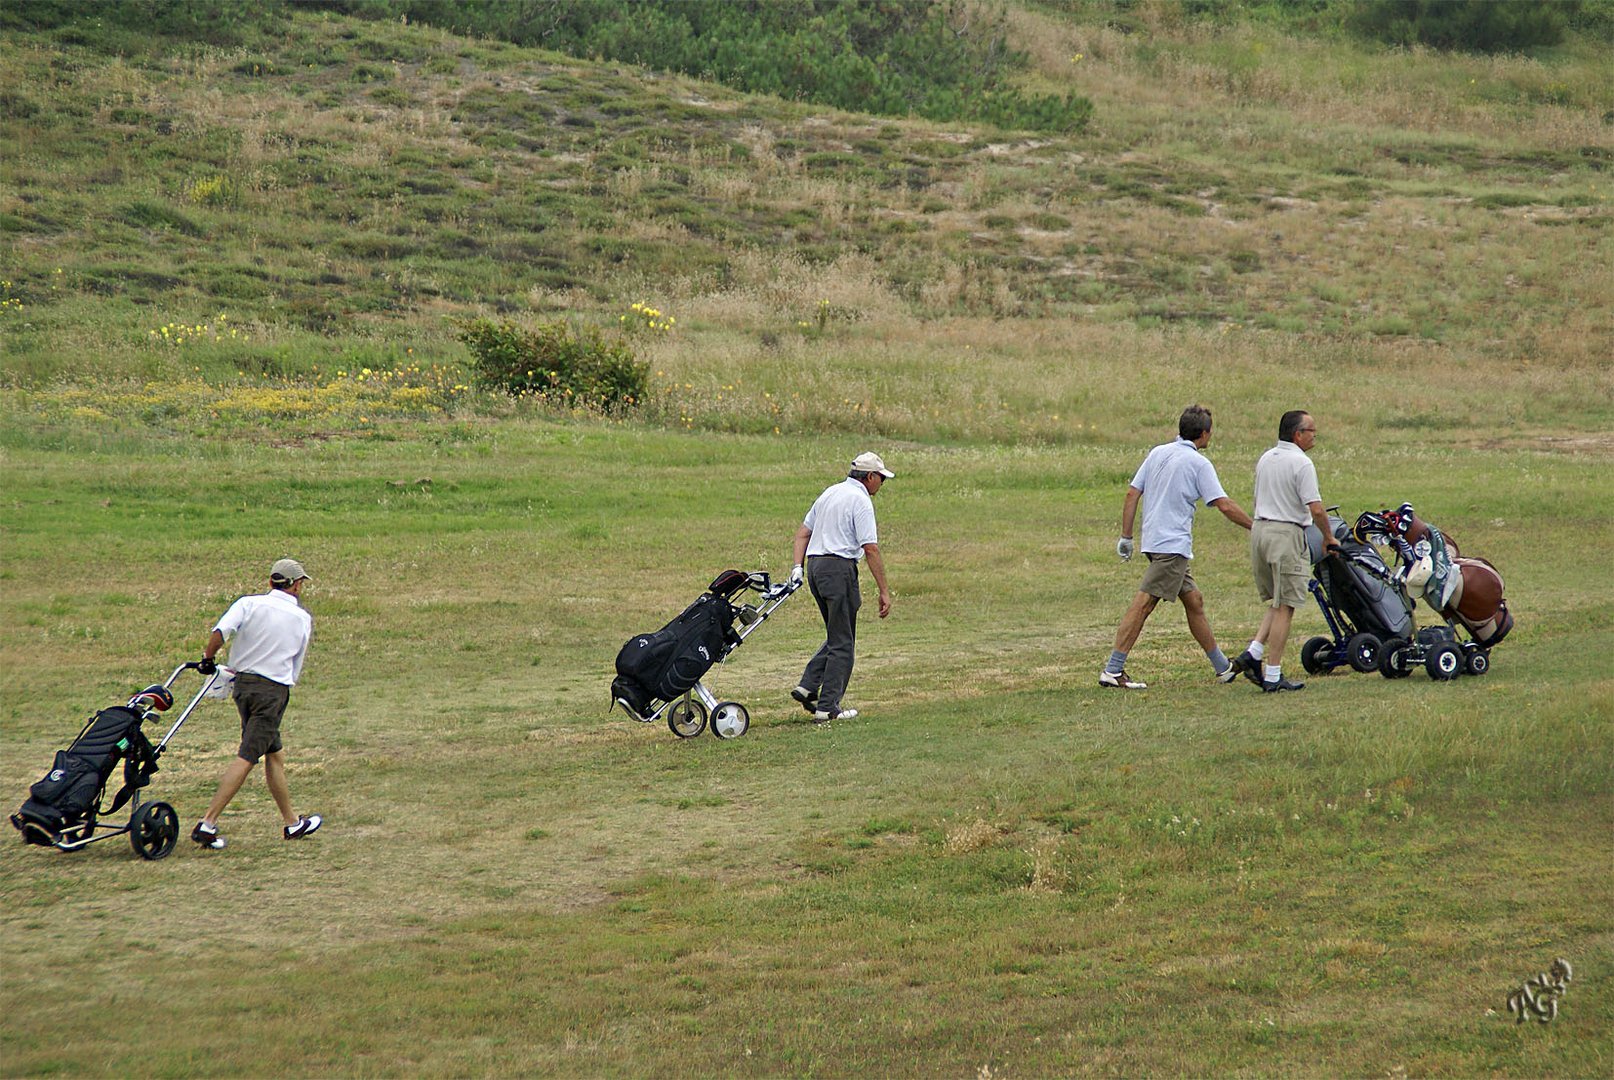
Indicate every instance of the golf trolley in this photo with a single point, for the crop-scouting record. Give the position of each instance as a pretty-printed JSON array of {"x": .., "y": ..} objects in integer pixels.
[
  {"x": 1369, "y": 616},
  {"x": 64, "y": 808},
  {"x": 658, "y": 675},
  {"x": 1361, "y": 601}
]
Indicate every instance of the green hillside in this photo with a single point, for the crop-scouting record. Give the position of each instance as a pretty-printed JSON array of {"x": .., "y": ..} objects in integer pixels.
[{"x": 334, "y": 184}]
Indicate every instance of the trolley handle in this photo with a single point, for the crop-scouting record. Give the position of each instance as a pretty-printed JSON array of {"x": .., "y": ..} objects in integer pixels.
[{"x": 195, "y": 701}]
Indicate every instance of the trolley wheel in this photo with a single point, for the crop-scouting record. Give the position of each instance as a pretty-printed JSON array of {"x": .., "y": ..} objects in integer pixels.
[
  {"x": 1363, "y": 652},
  {"x": 1445, "y": 661},
  {"x": 730, "y": 720},
  {"x": 1311, "y": 655},
  {"x": 686, "y": 718},
  {"x": 153, "y": 830},
  {"x": 1394, "y": 659},
  {"x": 1477, "y": 661}
]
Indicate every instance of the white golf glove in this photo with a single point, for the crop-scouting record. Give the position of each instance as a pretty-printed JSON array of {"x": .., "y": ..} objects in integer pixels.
[
  {"x": 795, "y": 575},
  {"x": 1123, "y": 548}
]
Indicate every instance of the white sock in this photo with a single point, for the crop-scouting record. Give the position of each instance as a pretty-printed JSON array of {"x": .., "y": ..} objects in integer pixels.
[
  {"x": 1273, "y": 672},
  {"x": 1257, "y": 650}
]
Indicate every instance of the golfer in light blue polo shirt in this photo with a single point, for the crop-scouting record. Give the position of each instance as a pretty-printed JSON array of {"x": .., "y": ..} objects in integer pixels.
[{"x": 1171, "y": 483}]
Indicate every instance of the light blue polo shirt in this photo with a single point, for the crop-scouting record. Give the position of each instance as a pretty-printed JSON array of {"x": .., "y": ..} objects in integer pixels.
[{"x": 1173, "y": 478}]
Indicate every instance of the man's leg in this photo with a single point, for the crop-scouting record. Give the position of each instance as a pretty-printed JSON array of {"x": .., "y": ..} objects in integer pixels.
[
  {"x": 235, "y": 774},
  {"x": 1137, "y": 614},
  {"x": 274, "y": 773},
  {"x": 1193, "y": 605},
  {"x": 812, "y": 676},
  {"x": 1279, "y": 620},
  {"x": 1126, "y": 636},
  {"x": 841, "y": 601}
]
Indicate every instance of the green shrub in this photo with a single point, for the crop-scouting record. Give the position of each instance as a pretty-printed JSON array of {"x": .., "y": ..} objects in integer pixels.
[
  {"x": 216, "y": 190},
  {"x": 555, "y": 362},
  {"x": 14, "y": 106},
  {"x": 1514, "y": 26},
  {"x": 945, "y": 60},
  {"x": 219, "y": 22},
  {"x": 147, "y": 214}
]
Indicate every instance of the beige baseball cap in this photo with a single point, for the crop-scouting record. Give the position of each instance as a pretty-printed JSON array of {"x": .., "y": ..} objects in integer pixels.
[
  {"x": 870, "y": 462},
  {"x": 287, "y": 570}
]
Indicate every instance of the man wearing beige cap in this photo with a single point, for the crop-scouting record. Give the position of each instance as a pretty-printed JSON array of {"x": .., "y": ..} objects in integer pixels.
[
  {"x": 269, "y": 633},
  {"x": 837, "y": 532}
]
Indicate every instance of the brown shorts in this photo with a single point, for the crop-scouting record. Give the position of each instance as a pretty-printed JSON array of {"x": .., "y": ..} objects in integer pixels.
[
  {"x": 261, "y": 703},
  {"x": 1168, "y": 576},
  {"x": 1278, "y": 556}
]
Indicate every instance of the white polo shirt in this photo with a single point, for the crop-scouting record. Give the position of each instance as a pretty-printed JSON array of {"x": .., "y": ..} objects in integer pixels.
[
  {"x": 271, "y": 632},
  {"x": 842, "y": 521},
  {"x": 1285, "y": 482},
  {"x": 1174, "y": 478}
]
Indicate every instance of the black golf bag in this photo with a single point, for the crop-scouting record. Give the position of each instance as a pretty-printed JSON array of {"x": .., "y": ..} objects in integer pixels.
[
  {"x": 70, "y": 794},
  {"x": 1361, "y": 600},
  {"x": 665, "y": 664}
]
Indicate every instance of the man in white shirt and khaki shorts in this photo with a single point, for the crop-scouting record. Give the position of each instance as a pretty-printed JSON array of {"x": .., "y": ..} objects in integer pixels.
[
  {"x": 270, "y": 633},
  {"x": 1286, "y": 498}
]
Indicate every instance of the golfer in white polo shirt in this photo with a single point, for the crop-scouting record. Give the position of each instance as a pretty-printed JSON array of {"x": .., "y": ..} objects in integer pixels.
[
  {"x": 837, "y": 533},
  {"x": 270, "y": 633},
  {"x": 1286, "y": 498}
]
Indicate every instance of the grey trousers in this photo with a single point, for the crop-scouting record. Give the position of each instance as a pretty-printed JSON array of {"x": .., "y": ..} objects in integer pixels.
[{"x": 833, "y": 581}]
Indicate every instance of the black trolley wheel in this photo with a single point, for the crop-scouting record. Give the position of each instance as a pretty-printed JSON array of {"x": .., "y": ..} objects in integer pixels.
[
  {"x": 1476, "y": 661},
  {"x": 730, "y": 720},
  {"x": 686, "y": 718},
  {"x": 1393, "y": 663},
  {"x": 153, "y": 830},
  {"x": 1363, "y": 652},
  {"x": 1311, "y": 655},
  {"x": 1445, "y": 661}
]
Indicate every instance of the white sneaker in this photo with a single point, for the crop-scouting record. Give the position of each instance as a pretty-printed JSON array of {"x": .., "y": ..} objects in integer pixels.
[
  {"x": 823, "y": 716},
  {"x": 208, "y": 837},
  {"x": 304, "y": 826},
  {"x": 1121, "y": 681}
]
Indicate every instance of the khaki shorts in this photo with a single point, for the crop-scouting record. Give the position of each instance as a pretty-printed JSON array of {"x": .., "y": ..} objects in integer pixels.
[
  {"x": 1278, "y": 556},
  {"x": 1168, "y": 576},
  {"x": 261, "y": 703}
]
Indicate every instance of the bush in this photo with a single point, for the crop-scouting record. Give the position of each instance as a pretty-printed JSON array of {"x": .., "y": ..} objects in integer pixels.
[
  {"x": 1515, "y": 26},
  {"x": 213, "y": 190},
  {"x": 555, "y": 362},
  {"x": 945, "y": 60},
  {"x": 218, "y": 22}
]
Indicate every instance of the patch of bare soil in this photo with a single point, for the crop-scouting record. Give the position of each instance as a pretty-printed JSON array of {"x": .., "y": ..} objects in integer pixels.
[{"x": 1594, "y": 445}]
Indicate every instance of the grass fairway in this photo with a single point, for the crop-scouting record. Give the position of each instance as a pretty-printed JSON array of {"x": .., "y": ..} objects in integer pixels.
[
  {"x": 1001, "y": 868},
  {"x": 229, "y": 279}
]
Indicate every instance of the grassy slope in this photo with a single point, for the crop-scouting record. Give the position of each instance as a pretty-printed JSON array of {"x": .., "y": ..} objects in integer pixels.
[{"x": 1003, "y": 870}]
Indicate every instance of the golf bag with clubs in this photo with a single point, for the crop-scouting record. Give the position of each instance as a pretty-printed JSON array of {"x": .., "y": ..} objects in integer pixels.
[
  {"x": 1465, "y": 592},
  {"x": 660, "y": 673},
  {"x": 1362, "y": 602},
  {"x": 63, "y": 808}
]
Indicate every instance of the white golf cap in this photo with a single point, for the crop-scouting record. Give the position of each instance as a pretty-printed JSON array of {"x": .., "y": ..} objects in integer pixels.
[
  {"x": 287, "y": 570},
  {"x": 870, "y": 462}
]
